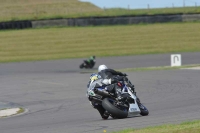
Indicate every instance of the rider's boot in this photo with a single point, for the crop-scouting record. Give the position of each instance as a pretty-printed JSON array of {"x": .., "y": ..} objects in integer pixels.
[
  {"x": 102, "y": 112},
  {"x": 105, "y": 115}
]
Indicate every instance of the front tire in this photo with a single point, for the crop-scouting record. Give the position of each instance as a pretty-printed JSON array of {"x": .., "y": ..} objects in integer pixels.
[
  {"x": 143, "y": 109},
  {"x": 108, "y": 104}
]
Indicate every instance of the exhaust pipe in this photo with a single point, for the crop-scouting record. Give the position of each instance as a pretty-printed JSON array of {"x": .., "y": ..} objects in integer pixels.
[{"x": 101, "y": 92}]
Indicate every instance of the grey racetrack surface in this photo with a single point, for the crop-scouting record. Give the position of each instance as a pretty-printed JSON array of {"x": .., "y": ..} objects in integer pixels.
[{"x": 54, "y": 94}]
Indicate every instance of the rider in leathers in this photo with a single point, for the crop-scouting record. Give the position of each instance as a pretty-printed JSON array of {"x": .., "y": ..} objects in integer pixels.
[
  {"x": 114, "y": 76},
  {"x": 91, "y": 61},
  {"x": 97, "y": 81}
]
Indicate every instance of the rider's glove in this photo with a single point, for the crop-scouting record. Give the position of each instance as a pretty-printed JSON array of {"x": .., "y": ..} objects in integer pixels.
[
  {"x": 114, "y": 80},
  {"x": 124, "y": 74},
  {"x": 125, "y": 79}
]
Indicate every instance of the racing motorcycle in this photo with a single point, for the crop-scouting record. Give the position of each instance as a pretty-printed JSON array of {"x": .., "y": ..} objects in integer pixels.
[
  {"x": 86, "y": 65},
  {"x": 128, "y": 107}
]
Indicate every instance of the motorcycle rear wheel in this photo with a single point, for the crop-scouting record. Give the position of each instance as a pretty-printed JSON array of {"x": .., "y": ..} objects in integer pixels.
[
  {"x": 108, "y": 104},
  {"x": 81, "y": 66}
]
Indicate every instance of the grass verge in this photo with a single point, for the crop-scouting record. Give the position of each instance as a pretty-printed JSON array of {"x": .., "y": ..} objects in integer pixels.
[
  {"x": 79, "y": 42},
  {"x": 21, "y": 110},
  {"x": 12, "y": 10},
  {"x": 185, "y": 127}
]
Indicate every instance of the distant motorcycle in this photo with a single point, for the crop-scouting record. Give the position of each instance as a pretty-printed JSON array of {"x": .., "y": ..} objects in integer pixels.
[
  {"x": 87, "y": 65},
  {"x": 129, "y": 107}
]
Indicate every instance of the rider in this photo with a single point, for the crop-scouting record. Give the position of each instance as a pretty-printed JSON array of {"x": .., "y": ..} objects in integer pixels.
[
  {"x": 95, "y": 79},
  {"x": 115, "y": 76},
  {"x": 91, "y": 61}
]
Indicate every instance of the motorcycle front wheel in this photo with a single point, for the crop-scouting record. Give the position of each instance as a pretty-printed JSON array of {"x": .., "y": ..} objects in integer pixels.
[
  {"x": 143, "y": 109},
  {"x": 110, "y": 105}
]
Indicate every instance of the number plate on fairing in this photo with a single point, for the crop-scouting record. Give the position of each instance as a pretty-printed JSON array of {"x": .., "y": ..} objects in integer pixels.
[{"x": 133, "y": 110}]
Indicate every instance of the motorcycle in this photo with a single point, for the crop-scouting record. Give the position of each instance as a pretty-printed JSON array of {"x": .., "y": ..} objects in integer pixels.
[
  {"x": 86, "y": 65},
  {"x": 128, "y": 107}
]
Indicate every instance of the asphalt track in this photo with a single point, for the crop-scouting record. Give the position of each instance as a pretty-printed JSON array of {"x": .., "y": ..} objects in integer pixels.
[{"x": 54, "y": 94}]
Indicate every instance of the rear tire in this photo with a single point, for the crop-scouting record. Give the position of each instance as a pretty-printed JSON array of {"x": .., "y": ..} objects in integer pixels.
[{"x": 108, "y": 105}]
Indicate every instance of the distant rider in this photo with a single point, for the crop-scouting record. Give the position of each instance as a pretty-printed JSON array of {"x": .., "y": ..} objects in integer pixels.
[{"x": 91, "y": 61}]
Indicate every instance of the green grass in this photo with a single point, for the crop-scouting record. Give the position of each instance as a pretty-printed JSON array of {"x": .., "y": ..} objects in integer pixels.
[
  {"x": 21, "y": 111},
  {"x": 43, "y": 9},
  {"x": 61, "y": 43},
  {"x": 46, "y": 9},
  {"x": 185, "y": 127}
]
